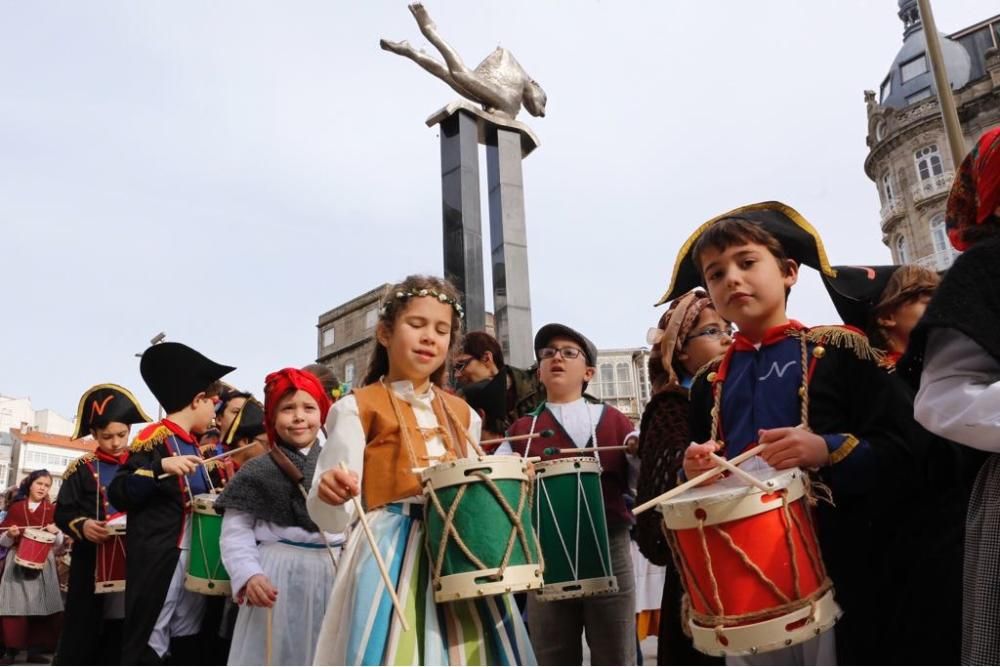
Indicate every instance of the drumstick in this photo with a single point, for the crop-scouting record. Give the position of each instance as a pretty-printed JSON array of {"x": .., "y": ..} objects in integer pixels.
[
  {"x": 214, "y": 458},
  {"x": 549, "y": 451},
  {"x": 742, "y": 474},
  {"x": 547, "y": 433},
  {"x": 267, "y": 641},
  {"x": 378, "y": 558},
  {"x": 695, "y": 481}
]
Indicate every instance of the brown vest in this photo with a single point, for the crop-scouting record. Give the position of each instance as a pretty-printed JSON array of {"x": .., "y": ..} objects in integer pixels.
[{"x": 388, "y": 468}]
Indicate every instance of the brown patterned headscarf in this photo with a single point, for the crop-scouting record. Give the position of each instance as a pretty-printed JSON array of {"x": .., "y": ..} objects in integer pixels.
[
  {"x": 670, "y": 333},
  {"x": 975, "y": 193}
]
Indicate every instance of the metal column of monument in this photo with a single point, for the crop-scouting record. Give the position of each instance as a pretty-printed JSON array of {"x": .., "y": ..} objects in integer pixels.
[
  {"x": 501, "y": 87},
  {"x": 463, "y": 127}
]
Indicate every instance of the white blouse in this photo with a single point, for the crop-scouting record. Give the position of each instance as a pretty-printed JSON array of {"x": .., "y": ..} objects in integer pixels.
[
  {"x": 959, "y": 396},
  {"x": 346, "y": 442}
]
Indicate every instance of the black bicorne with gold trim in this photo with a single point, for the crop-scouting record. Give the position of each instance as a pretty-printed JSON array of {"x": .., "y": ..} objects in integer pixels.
[
  {"x": 248, "y": 423},
  {"x": 103, "y": 404},
  {"x": 799, "y": 239},
  {"x": 856, "y": 290}
]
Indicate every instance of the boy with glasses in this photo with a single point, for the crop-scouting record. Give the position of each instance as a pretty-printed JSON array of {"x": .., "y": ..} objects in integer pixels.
[{"x": 566, "y": 364}]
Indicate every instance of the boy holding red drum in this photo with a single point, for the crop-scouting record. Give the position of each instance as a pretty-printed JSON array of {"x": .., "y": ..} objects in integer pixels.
[
  {"x": 92, "y": 631},
  {"x": 161, "y": 616},
  {"x": 815, "y": 398}
]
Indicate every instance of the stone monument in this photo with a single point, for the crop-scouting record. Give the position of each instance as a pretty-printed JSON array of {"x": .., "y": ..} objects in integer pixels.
[{"x": 501, "y": 87}]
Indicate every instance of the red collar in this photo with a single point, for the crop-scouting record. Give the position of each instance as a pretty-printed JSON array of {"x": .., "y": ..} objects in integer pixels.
[
  {"x": 104, "y": 457},
  {"x": 743, "y": 344},
  {"x": 179, "y": 432}
]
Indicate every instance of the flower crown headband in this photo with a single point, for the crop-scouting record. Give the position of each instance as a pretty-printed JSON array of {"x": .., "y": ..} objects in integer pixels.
[{"x": 401, "y": 295}]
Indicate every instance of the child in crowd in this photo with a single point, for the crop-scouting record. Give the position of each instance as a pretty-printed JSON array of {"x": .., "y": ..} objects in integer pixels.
[
  {"x": 689, "y": 335},
  {"x": 276, "y": 557},
  {"x": 30, "y": 602},
  {"x": 398, "y": 420},
  {"x": 815, "y": 398},
  {"x": 955, "y": 353},
  {"x": 93, "y": 621},
  {"x": 566, "y": 364},
  {"x": 161, "y": 616}
]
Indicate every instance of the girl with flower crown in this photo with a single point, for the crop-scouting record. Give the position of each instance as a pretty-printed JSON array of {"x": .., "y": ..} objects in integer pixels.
[{"x": 400, "y": 413}]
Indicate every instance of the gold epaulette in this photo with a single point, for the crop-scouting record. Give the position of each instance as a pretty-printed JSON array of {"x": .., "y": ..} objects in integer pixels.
[
  {"x": 848, "y": 339},
  {"x": 710, "y": 367},
  {"x": 145, "y": 442},
  {"x": 71, "y": 468}
]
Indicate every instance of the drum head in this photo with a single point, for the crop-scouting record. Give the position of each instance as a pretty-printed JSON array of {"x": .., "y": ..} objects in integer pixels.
[
  {"x": 39, "y": 535},
  {"x": 568, "y": 466},
  {"x": 463, "y": 471},
  {"x": 204, "y": 503},
  {"x": 731, "y": 498}
]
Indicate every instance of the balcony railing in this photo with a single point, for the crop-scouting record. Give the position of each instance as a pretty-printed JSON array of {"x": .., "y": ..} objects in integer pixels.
[
  {"x": 940, "y": 260},
  {"x": 894, "y": 208},
  {"x": 934, "y": 185}
]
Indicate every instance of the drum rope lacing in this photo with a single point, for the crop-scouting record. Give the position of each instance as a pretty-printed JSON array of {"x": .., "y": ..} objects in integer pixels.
[{"x": 449, "y": 531}]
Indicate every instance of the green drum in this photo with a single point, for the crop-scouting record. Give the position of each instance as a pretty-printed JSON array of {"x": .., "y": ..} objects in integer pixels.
[
  {"x": 205, "y": 572},
  {"x": 572, "y": 529},
  {"x": 478, "y": 528}
]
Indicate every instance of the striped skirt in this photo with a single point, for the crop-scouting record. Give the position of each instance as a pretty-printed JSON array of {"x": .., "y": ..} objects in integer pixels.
[{"x": 361, "y": 628}]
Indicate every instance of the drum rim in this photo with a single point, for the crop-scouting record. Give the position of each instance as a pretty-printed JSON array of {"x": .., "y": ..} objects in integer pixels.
[
  {"x": 550, "y": 468},
  {"x": 49, "y": 538},
  {"x": 747, "y": 503},
  {"x": 452, "y": 473}
]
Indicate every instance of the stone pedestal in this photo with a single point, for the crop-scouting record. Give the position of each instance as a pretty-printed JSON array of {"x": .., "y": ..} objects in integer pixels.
[{"x": 463, "y": 127}]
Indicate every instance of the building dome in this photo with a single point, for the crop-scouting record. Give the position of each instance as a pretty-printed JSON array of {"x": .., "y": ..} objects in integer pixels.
[{"x": 910, "y": 78}]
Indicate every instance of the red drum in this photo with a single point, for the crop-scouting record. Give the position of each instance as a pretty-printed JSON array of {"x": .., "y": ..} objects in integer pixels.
[
  {"x": 750, "y": 564},
  {"x": 34, "y": 548},
  {"x": 109, "y": 575}
]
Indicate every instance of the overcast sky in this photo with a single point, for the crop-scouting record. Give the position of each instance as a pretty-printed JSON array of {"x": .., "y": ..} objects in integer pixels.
[{"x": 226, "y": 171}]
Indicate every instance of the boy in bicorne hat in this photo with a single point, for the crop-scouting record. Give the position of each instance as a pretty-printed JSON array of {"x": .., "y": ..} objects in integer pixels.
[
  {"x": 815, "y": 397},
  {"x": 93, "y": 622},
  {"x": 161, "y": 616}
]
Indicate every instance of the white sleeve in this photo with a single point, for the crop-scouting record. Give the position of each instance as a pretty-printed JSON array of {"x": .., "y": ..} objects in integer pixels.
[
  {"x": 239, "y": 549},
  {"x": 476, "y": 426},
  {"x": 959, "y": 396},
  {"x": 345, "y": 441},
  {"x": 6, "y": 540},
  {"x": 505, "y": 449}
]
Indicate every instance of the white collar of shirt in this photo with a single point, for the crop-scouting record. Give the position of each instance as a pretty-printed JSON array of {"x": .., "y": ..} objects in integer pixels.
[
  {"x": 404, "y": 390},
  {"x": 32, "y": 505},
  {"x": 578, "y": 418}
]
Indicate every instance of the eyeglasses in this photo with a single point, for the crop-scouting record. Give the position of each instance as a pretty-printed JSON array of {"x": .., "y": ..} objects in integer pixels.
[
  {"x": 712, "y": 332},
  {"x": 564, "y": 352},
  {"x": 460, "y": 365}
]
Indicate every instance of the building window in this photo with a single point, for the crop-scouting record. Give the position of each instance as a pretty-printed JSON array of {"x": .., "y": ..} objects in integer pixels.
[
  {"x": 921, "y": 94},
  {"x": 928, "y": 162},
  {"x": 902, "y": 252},
  {"x": 328, "y": 337},
  {"x": 886, "y": 89},
  {"x": 608, "y": 379},
  {"x": 913, "y": 68},
  {"x": 939, "y": 234},
  {"x": 887, "y": 188},
  {"x": 349, "y": 372},
  {"x": 880, "y": 130},
  {"x": 624, "y": 380},
  {"x": 371, "y": 318}
]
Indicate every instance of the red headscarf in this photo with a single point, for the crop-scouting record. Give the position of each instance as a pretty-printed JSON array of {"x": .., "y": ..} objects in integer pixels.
[
  {"x": 280, "y": 383},
  {"x": 975, "y": 194}
]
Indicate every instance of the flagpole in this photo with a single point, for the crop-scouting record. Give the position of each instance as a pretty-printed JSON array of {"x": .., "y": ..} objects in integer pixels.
[{"x": 949, "y": 114}]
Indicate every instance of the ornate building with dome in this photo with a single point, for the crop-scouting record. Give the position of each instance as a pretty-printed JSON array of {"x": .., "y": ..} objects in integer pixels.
[{"x": 908, "y": 158}]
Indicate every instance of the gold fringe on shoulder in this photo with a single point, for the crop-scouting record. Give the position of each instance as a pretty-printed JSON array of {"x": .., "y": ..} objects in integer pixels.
[
  {"x": 147, "y": 443},
  {"x": 847, "y": 339},
  {"x": 713, "y": 365},
  {"x": 71, "y": 468}
]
